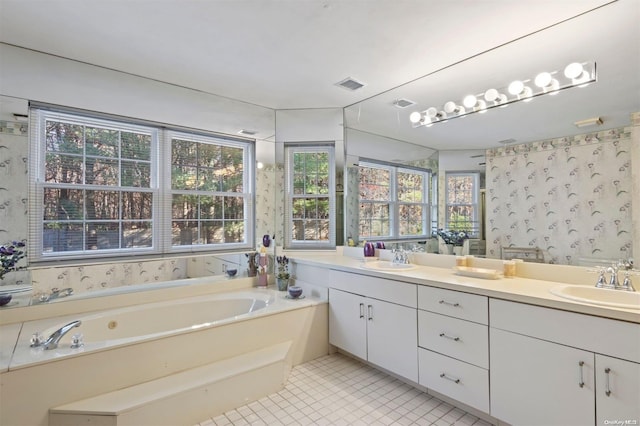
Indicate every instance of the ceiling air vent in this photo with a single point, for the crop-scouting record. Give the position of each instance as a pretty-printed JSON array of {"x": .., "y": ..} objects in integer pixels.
[
  {"x": 403, "y": 103},
  {"x": 350, "y": 84}
]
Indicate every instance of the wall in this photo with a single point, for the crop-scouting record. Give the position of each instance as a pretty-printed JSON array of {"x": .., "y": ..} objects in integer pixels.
[{"x": 570, "y": 196}]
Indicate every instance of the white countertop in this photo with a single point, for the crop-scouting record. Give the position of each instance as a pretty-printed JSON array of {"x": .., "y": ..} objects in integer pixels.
[{"x": 525, "y": 290}]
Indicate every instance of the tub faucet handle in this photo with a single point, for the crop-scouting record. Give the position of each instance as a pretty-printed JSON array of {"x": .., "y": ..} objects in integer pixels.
[
  {"x": 77, "y": 341},
  {"x": 37, "y": 339}
]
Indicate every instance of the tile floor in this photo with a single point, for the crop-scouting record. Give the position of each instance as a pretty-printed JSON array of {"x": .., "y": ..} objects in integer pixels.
[{"x": 338, "y": 390}]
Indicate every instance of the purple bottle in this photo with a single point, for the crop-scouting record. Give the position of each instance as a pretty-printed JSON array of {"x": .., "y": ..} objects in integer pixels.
[
  {"x": 266, "y": 240},
  {"x": 369, "y": 250}
]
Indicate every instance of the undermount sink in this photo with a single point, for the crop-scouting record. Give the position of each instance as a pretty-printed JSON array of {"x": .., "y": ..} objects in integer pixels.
[
  {"x": 599, "y": 296},
  {"x": 385, "y": 265}
]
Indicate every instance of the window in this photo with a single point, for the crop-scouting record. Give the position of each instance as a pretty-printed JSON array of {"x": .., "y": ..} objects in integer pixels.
[
  {"x": 462, "y": 196},
  {"x": 310, "y": 196},
  {"x": 97, "y": 189},
  {"x": 394, "y": 201}
]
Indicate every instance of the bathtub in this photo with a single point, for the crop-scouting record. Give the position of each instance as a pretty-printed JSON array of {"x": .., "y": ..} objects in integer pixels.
[
  {"x": 135, "y": 324},
  {"x": 134, "y": 345}
]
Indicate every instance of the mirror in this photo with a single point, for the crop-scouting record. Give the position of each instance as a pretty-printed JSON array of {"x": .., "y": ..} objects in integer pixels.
[{"x": 549, "y": 184}]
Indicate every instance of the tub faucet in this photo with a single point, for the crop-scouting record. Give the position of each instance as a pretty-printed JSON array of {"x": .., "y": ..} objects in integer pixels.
[{"x": 52, "y": 341}]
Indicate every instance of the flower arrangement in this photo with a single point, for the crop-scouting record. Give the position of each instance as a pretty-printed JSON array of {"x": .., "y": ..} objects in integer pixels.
[
  {"x": 10, "y": 255},
  {"x": 283, "y": 267},
  {"x": 453, "y": 237}
]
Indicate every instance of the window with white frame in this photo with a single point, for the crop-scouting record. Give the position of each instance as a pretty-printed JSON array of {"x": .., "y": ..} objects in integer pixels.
[
  {"x": 310, "y": 196},
  {"x": 394, "y": 201},
  {"x": 462, "y": 195},
  {"x": 106, "y": 187}
]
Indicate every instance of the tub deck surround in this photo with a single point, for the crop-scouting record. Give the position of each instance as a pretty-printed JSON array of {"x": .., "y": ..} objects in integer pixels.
[
  {"x": 518, "y": 289},
  {"x": 37, "y": 381}
]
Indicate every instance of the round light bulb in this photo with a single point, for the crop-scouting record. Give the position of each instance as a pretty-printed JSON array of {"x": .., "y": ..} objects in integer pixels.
[
  {"x": 516, "y": 87},
  {"x": 469, "y": 101},
  {"x": 450, "y": 107},
  {"x": 431, "y": 112},
  {"x": 260, "y": 165},
  {"x": 491, "y": 95},
  {"x": 543, "y": 80},
  {"x": 573, "y": 70},
  {"x": 415, "y": 117}
]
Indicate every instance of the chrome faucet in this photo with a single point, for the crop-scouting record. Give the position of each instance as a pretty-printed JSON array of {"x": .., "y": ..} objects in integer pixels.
[
  {"x": 54, "y": 339},
  {"x": 614, "y": 281},
  {"x": 400, "y": 256}
]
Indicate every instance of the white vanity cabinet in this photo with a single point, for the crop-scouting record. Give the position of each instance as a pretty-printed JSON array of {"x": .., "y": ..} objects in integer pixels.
[
  {"x": 617, "y": 390},
  {"x": 453, "y": 345},
  {"x": 554, "y": 367},
  {"x": 376, "y": 320}
]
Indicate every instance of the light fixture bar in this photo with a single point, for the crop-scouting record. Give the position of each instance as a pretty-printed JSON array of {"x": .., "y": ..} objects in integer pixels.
[{"x": 576, "y": 74}]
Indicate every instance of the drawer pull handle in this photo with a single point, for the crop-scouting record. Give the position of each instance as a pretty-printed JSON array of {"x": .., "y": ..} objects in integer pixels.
[
  {"x": 580, "y": 370},
  {"x": 607, "y": 392},
  {"x": 362, "y": 310},
  {"x": 370, "y": 312},
  {"x": 453, "y": 379},
  {"x": 444, "y": 302},
  {"x": 457, "y": 339}
]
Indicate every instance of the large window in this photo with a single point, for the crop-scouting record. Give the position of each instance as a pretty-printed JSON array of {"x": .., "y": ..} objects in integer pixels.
[
  {"x": 310, "y": 196},
  {"x": 394, "y": 201},
  {"x": 463, "y": 190},
  {"x": 103, "y": 187}
]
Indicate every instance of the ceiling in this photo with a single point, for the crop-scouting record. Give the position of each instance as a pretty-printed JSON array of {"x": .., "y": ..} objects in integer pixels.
[{"x": 288, "y": 54}]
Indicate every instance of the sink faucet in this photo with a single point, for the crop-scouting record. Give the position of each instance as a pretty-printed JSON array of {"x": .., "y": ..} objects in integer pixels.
[
  {"x": 400, "y": 256},
  {"x": 614, "y": 282},
  {"x": 52, "y": 341}
]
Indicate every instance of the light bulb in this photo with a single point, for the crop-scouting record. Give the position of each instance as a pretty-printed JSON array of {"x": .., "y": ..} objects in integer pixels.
[
  {"x": 516, "y": 87},
  {"x": 260, "y": 165},
  {"x": 450, "y": 107},
  {"x": 431, "y": 112},
  {"x": 415, "y": 117},
  {"x": 543, "y": 80},
  {"x": 469, "y": 101},
  {"x": 573, "y": 70},
  {"x": 491, "y": 95}
]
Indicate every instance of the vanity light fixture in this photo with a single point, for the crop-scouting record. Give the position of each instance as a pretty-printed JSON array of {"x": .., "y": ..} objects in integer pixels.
[{"x": 576, "y": 74}]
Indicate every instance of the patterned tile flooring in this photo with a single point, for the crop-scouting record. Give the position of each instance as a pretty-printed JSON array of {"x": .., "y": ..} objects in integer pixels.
[{"x": 338, "y": 390}]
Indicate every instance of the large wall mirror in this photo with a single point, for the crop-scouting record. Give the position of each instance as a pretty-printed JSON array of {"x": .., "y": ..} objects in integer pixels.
[{"x": 550, "y": 184}]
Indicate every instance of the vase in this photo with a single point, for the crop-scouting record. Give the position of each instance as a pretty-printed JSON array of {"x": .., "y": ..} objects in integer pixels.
[
  {"x": 369, "y": 250},
  {"x": 283, "y": 283},
  {"x": 266, "y": 240},
  {"x": 457, "y": 250}
]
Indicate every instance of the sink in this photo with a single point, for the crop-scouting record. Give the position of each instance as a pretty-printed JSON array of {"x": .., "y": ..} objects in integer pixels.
[
  {"x": 599, "y": 296},
  {"x": 385, "y": 265}
]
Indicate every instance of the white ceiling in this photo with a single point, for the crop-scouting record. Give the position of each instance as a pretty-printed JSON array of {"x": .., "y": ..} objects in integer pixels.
[{"x": 288, "y": 54}]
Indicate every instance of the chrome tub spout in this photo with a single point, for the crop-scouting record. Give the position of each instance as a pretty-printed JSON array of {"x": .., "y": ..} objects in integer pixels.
[{"x": 52, "y": 341}]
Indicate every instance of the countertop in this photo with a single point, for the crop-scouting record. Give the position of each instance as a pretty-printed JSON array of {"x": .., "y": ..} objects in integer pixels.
[{"x": 518, "y": 289}]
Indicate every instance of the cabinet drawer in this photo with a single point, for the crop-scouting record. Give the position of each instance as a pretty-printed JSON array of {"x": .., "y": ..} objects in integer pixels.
[
  {"x": 464, "y": 340},
  {"x": 456, "y": 379},
  {"x": 374, "y": 287},
  {"x": 470, "y": 307},
  {"x": 601, "y": 335}
]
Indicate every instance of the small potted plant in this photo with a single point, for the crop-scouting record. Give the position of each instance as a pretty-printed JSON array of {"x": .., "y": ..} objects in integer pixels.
[
  {"x": 282, "y": 276},
  {"x": 10, "y": 256}
]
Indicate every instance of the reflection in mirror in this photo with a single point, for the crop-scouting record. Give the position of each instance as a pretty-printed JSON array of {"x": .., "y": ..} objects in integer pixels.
[{"x": 550, "y": 184}]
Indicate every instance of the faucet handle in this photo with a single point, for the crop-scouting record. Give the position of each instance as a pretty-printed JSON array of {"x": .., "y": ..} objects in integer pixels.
[
  {"x": 77, "y": 341},
  {"x": 602, "y": 281},
  {"x": 36, "y": 340}
]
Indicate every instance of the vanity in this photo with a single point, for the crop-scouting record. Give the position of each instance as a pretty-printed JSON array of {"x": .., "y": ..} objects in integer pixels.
[{"x": 508, "y": 348}]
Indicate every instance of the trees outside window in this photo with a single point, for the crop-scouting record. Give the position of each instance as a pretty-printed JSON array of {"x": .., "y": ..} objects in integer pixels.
[
  {"x": 310, "y": 196},
  {"x": 462, "y": 195},
  {"x": 394, "y": 201},
  {"x": 100, "y": 188}
]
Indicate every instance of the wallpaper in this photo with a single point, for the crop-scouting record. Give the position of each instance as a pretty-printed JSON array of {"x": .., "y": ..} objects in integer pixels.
[{"x": 569, "y": 196}]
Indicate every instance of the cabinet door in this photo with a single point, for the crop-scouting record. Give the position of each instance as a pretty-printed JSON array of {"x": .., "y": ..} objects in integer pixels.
[
  {"x": 617, "y": 391},
  {"x": 535, "y": 382},
  {"x": 347, "y": 322},
  {"x": 393, "y": 337}
]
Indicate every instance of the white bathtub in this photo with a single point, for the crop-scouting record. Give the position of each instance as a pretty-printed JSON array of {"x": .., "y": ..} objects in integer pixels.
[
  {"x": 129, "y": 346},
  {"x": 135, "y": 324}
]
